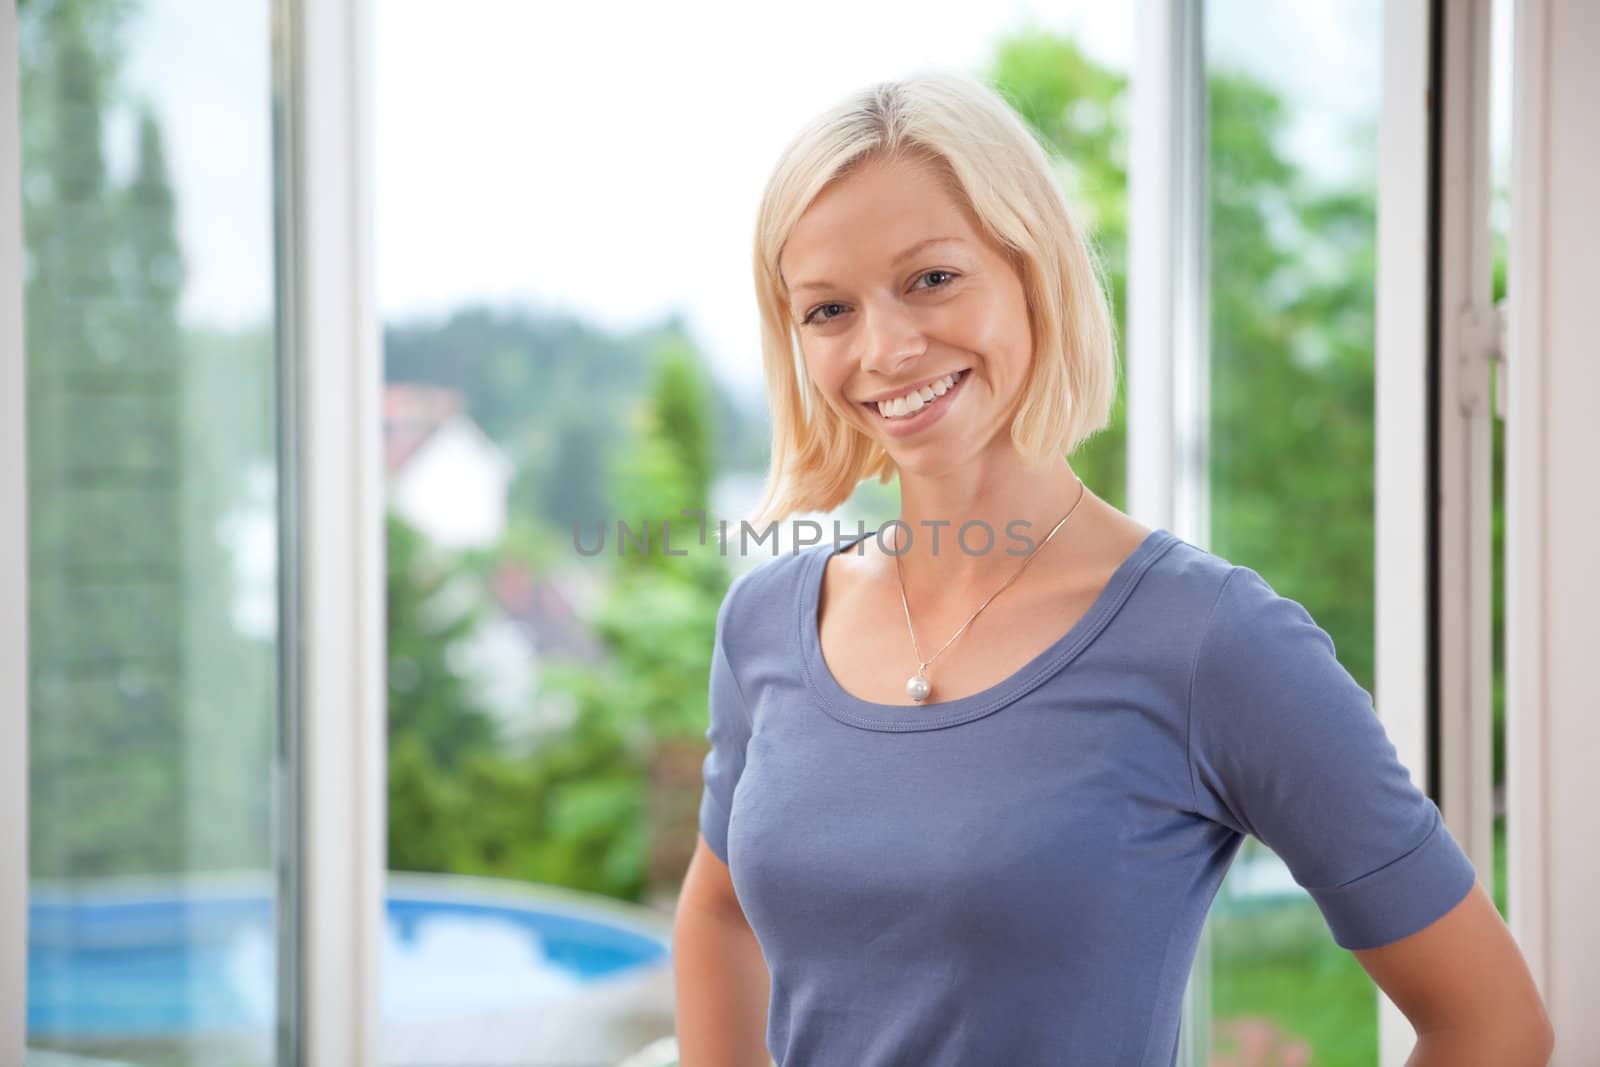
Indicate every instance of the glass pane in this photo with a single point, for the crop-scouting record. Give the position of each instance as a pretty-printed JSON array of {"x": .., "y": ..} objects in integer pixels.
[
  {"x": 1292, "y": 179},
  {"x": 147, "y": 181},
  {"x": 571, "y": 335}
]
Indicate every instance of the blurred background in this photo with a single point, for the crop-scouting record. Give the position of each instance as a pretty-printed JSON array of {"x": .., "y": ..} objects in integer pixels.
[{"x": 564, "y": 202}]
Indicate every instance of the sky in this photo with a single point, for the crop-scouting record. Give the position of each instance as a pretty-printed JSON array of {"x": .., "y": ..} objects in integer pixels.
[
  {"x": 609, "y": 159},
  {"x": 606, "y": 159}
]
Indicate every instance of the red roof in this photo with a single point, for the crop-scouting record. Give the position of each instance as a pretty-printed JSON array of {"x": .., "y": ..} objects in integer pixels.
[{"x": 411, "y": 413}]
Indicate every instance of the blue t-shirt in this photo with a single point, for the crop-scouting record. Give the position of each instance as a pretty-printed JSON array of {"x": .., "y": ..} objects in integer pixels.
[{"x": 1020, "y": 876}]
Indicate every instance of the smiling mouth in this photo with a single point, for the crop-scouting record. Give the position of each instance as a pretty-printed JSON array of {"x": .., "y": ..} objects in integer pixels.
[{"x": 913, "y": 404}]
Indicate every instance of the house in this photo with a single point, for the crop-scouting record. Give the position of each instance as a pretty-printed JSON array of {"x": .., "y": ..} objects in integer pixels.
[{"x": 446, "y": 476}]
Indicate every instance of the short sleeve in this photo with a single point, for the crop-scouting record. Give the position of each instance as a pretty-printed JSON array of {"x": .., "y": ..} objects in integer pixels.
[
  {"x": 1285, "y": 745},
  {"x": 728, "y": 732}
]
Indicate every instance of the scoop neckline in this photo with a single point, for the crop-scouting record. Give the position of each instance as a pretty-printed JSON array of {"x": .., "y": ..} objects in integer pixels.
[{"x": 844, "y": 706}]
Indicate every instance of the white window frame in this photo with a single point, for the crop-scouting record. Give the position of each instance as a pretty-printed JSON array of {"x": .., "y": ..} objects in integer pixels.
[
  {"x": 1168, "y": 363},
  {"x": 1402, "y": 669},
  {"x": 1433, "y": 475},
  {"x": 334, "y": 581}
]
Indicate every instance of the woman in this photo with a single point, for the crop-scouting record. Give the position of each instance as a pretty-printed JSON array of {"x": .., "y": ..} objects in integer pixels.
[{"x": 975, "y": 778}]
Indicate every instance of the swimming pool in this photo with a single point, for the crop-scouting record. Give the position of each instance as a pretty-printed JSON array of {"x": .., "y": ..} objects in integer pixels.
[{"x": 146, "y": 958}]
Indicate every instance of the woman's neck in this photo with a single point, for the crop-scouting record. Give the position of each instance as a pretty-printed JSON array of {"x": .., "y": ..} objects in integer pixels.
[{"x": 967, "y": 531}]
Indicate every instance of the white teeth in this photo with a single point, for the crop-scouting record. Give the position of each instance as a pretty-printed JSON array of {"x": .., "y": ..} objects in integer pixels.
[{"x": 917, "y": 399}]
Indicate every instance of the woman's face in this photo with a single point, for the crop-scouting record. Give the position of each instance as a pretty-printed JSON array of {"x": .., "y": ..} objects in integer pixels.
[{"x": 912, "y": 325}]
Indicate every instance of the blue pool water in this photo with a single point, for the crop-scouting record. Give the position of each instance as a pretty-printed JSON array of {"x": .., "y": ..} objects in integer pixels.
[{"x": 186, "y": 962}]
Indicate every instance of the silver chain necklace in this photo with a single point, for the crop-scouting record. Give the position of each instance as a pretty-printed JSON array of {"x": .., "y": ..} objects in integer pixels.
[{"x": 918, "y": 687}]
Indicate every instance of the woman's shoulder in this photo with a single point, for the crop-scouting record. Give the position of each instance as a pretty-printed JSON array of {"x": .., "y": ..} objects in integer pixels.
[
  {"x": 1232, "y": 606},
  {"x": 1216, "y": 602},
  {"x": 766, "y": 590},
  {"x": 1180, "y": 572}
]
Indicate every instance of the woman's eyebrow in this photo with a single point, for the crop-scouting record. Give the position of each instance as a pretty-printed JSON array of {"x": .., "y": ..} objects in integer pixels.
[{"x": 901, "y": 256}]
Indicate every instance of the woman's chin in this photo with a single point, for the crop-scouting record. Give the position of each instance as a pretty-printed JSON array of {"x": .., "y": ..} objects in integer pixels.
[{"x": 928, "y": 460}]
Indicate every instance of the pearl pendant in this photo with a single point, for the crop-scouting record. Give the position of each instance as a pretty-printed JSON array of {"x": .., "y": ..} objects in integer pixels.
[{"x": 917, "y": 687}]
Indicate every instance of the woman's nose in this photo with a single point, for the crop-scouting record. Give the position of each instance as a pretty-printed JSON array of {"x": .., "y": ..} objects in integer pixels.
[{"x": 891, "y": 339}]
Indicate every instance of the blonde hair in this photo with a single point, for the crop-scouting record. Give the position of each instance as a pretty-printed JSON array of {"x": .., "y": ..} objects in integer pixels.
[{"x": 996, "y": 167}]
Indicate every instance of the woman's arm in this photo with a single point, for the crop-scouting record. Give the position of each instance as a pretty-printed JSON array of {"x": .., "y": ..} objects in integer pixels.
[
  {"x": 1463, "y": 984},
  {"x": 720, "y": 976}
]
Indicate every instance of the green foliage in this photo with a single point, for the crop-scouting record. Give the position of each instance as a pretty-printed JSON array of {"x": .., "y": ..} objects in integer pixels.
[
  {"x": 679, "y": 413},
  {"x": 666, "y": 471},
  {"x": 659, "y": 626},
  {"x": 432, "y": 608},
  {"x": 573, "y": 814},
  {"x": 1286, "y": 972},
  {"x": 1293, "y": 326},
  {"x": 426, "y": 807}
]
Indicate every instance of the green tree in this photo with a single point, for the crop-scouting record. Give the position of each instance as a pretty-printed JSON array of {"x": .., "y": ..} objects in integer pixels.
[
  {"x": 433, "y": 608},
  {"x": 113, "y": 549},
  {"x": 435, "y": 724},
  {"x": 1292, "y": 396}
]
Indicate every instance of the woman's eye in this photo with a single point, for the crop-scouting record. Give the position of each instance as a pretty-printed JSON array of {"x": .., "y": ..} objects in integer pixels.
[
  {"x": 811, "y": 316},
  {"x": 931, "y": 273}
]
